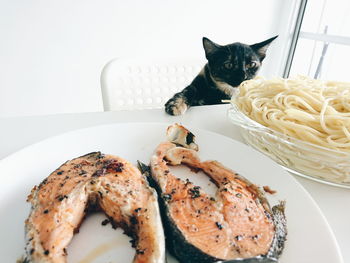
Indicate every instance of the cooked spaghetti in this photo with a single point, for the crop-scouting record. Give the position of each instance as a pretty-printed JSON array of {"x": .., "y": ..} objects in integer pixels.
[{"x": 310, "y": 110}]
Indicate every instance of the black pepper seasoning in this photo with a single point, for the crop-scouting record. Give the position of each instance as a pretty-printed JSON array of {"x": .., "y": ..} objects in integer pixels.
[
  {"x": 218, "y": 225},
  {"x": 61, "y": 197},
  {"x": 239, "y": 237},
  {"x": 194, "y": 192}
]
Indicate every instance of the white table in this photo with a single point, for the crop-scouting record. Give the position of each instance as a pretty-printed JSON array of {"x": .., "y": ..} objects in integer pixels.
[{"x": 16, "y": 133}]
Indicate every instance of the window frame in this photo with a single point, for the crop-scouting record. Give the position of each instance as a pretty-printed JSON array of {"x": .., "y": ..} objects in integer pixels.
[
  {"x": 294, "y": 38},
  {"x": 298, "y": 34}
]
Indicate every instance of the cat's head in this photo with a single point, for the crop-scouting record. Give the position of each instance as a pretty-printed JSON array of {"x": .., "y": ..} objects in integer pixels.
[{"x": 235, "y": 62}]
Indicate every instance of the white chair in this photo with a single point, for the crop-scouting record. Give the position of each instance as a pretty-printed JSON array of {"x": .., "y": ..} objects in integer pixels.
[{"x": 145, "y": 83}]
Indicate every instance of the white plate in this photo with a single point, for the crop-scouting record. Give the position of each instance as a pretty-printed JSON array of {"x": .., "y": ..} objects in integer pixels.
[{"x": 310, "y": 238}]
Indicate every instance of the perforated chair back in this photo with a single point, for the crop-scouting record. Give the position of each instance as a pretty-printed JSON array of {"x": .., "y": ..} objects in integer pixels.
[{"x": 144, "y": 84}]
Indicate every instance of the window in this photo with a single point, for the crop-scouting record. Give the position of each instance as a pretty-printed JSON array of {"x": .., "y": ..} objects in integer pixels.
[{"x": 323, "y": 47}]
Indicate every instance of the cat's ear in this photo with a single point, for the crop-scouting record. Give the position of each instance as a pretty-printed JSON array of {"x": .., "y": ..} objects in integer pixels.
[
  {"x": 261, "y": 48},
  {"x": 210, "y": 47}
]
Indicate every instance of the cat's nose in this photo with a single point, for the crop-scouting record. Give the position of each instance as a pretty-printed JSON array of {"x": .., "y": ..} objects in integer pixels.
[{"x": 242, "y": 75}]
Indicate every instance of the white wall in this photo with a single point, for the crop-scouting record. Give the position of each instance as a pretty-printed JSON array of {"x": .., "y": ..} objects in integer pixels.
[{"x": 52, "y": 52}]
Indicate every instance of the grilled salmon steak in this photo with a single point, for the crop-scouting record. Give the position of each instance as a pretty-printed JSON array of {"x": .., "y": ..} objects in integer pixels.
[
  {"x": 235, "y": 226},
  {"x": 107, "y": 182}
]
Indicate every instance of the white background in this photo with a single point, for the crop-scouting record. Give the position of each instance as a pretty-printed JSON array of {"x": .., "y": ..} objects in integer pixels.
[{"x": 52, "y": 52}]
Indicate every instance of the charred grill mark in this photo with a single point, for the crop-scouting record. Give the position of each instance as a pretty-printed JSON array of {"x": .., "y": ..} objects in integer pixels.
[
  {"x": 114, "y": 166},
  {"x": 81, "y": 164},
  {"x": 98, "y": 173}
]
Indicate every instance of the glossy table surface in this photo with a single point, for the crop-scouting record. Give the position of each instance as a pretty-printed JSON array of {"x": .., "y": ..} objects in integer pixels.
[{"x": 18, "y": 132}]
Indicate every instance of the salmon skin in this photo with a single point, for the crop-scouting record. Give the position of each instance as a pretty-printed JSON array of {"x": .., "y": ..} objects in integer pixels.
[
  {"x": 97, "y": 181},
  {"x": 237, "y": 225}
]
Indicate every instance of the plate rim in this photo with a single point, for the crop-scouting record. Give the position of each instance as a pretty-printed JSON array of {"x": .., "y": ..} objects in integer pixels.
[{"x": 190, "y": 127}]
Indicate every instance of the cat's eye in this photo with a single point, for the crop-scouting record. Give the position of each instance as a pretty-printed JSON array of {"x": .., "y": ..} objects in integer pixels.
[
  {"x": 228, "y": 65},
  {"x": 252, "y": 64}
]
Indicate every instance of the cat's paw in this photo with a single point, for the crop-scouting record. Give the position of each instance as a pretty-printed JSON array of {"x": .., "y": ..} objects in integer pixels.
[{"x": 176, "y": 106}]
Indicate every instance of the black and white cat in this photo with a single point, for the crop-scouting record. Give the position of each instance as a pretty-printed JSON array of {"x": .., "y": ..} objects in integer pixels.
[{"x": 227, "y": 67}]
